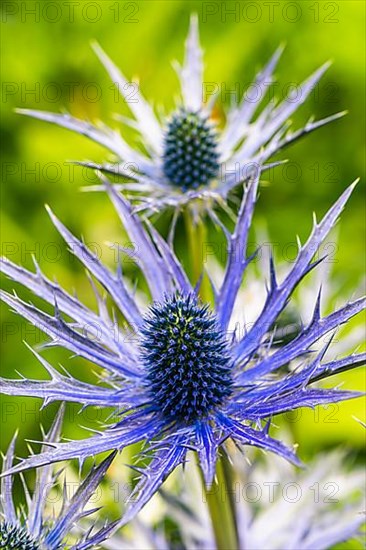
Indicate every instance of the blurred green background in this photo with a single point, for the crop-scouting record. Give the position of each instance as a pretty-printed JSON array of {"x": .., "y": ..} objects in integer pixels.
[{"x": 47, "y": 53}]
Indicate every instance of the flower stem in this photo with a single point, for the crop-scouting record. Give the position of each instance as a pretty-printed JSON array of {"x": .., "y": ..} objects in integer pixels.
[
  {"x": 221, "y": 507},
  {"x": 197, "y": 238}
]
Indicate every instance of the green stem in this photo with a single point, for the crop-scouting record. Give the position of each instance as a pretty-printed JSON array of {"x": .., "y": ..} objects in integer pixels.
[
  {"x": 229, "y": 480},
  {"x": 197, "y": 239},
  {"x": 221, "y": 507}
]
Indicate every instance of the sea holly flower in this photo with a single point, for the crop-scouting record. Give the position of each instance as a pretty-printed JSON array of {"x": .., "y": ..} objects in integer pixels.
[
  {"x": 35, "y": 527},
  {"x": 318, "y": 507},
  {"x": 187, "y": 157},
  {"x": 184, "y": 383},
  {"x": 276, "y": 506}
]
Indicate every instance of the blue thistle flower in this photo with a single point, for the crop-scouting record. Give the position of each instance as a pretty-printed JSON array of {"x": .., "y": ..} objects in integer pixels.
[
  {"x": 35, "y": 530},
  {"x": 184, "y": 383},
  {"x": 267, "y": 516},
  {"x": 14, "y": 536},
  {"x": 187, "y": 158}
]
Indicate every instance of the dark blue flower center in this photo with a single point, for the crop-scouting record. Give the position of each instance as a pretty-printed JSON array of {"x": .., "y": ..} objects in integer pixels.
[
  {"x": 190, "y": 150},
  {"x": 15, "y": 537},
  {"x": 187, "y": 359}
]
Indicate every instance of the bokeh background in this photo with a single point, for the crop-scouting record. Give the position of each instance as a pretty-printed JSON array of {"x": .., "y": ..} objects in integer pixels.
[{"x": 47, "y": 63}]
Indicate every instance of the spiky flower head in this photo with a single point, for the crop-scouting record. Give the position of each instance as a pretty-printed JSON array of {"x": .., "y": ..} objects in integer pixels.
[
  {"x": 183, "y": 383},
  {"x": 35, "y": 527},
  {"x": 188, "y": 157},
  {"x": 187, "y": 359},
  {"x": 16, "y": 537}
]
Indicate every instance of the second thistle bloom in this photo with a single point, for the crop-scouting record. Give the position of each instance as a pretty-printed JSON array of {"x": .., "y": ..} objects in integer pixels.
[
  {"x": 188, "y": 157},
  {"x": 36, "y": 526}
]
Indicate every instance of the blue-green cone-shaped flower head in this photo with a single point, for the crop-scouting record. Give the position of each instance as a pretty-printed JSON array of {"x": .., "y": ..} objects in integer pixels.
[
  {"x": 191, "y": 155},
  {"x": 15, "y": 537},
  {"x": 187, "y": 359}
]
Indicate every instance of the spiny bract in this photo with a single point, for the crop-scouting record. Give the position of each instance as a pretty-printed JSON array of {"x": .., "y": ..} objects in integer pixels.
[{"x": 36, "y": 526}]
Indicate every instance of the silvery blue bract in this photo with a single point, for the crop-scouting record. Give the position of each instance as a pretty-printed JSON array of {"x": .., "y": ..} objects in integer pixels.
[{"x": 36, "y": 527}]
